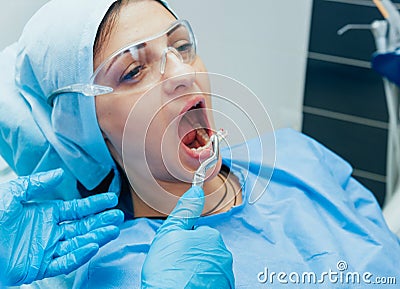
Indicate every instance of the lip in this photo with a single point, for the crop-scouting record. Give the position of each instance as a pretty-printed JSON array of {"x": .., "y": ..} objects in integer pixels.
[
  {"x": 192, "y": 102},
  {"x": 203, "y": 154}
]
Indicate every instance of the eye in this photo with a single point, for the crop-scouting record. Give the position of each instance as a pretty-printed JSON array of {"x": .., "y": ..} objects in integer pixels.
[
  {"x": 182, "y": 44},
  {"x": 132, "y": 74},
  {"x": 185, "y": 47}
]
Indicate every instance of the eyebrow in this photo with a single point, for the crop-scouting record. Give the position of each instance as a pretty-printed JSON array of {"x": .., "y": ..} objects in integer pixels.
[
  {"x": 139, "y": 45},
  {"x": 173, "y": 29}
]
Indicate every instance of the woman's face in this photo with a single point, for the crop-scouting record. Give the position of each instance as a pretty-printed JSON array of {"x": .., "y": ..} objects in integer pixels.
[{"x": 156, "y": 127}]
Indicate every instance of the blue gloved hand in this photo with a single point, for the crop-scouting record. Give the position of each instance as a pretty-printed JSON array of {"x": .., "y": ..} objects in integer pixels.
[
  {"x": 182, "y": 256},
  {"x": 45, "y": 239}
]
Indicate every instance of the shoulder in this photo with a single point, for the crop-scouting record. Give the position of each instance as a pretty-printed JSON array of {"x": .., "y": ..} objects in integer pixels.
[
  {"x": 289, "y": 151},
  {"x": 295, "y": 150}
]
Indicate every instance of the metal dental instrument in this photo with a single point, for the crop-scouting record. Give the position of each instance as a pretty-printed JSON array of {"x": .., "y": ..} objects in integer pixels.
[{"x": 200, "y": 174}]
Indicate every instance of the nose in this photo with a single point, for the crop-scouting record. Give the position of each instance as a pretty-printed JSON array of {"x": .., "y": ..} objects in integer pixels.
[
  {"x": 165, "y": 55},
  {"x": 177, "y": 74}
]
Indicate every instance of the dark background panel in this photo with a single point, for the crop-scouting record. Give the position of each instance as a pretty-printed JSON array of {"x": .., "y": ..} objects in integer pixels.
[
  {"x": 345, "y": 89},
  {"x": 377, "y": 188},
  {"x": 328, "y": 17},
  {"x": 362, "y": 146}
]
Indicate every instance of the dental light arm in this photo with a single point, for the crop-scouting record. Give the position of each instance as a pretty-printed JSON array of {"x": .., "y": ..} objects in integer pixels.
[{"x": 392, "y": 16}]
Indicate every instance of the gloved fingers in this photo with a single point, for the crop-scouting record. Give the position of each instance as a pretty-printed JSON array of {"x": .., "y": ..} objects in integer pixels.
[
  {"x": 216, "y": 255},
  {"x": 212, "y": 236},
  {"x": 90, "y": 223},
  {"x": 208, "y": 231},
  {"x": 80, "y": 208},
  {"x": 186, "y": 212},
  {"x": 34, "y": 186},
  {"x": 100, "y": 236},
  {"x": 198, "y": 258},
  {"x": 72, "y": 261}
]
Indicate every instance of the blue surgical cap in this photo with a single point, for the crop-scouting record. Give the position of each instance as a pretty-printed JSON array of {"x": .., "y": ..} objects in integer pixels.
[
  {"x": 22, "y": 143},
  {"x": 56, "y": 50}
]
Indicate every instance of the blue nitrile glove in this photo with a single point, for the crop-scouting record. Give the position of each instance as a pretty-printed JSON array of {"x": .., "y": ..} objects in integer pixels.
[
  {"x": 45, "y": 239},
  {"x": 182, "y": 256}
]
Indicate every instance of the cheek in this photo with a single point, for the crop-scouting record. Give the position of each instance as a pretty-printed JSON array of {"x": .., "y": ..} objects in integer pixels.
[
  {"x": 202, "y": 78},
  {"x": 111, "y": 116},
  {"x": 199, "y": 66},
  {"x": 125, "y": 123}
]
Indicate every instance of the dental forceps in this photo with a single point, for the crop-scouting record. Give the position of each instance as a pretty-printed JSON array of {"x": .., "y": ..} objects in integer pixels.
[{"x": 200, "y": 174}]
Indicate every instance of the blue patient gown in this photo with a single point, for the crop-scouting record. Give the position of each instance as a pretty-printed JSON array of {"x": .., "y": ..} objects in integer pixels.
[{"x": 313, "y": 217}]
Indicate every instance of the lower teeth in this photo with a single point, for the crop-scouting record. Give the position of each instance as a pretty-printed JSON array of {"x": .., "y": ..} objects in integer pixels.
[{"x": 206, "y": 146}]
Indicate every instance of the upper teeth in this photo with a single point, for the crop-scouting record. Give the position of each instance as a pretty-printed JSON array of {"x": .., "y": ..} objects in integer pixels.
[{"x": 202, "y": 132}]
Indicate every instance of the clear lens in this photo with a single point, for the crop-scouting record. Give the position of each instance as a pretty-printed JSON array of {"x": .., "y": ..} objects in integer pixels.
[{"x": 141, "y": 65}]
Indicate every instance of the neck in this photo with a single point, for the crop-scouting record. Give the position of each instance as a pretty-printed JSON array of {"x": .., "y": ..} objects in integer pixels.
[{"x": 222, "y": 193}]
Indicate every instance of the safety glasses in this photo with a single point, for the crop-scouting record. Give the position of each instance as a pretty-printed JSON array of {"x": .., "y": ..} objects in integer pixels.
[{"x": 140, "y": 65}]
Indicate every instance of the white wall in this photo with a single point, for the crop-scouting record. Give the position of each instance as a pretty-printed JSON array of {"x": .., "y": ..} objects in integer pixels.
[{"x": 13, "y": 16}]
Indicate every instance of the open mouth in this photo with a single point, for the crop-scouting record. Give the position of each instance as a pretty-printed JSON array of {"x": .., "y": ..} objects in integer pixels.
[{"x": 194, "y": 129}]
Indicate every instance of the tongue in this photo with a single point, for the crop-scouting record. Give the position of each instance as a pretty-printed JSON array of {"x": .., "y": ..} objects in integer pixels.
[{"x": 189, "y": 137}]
